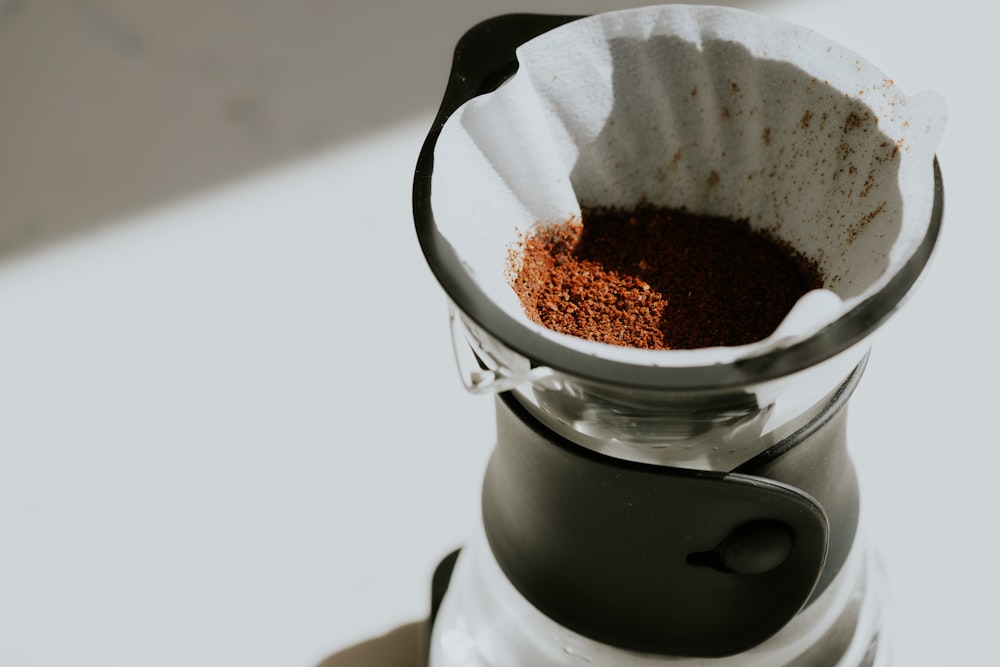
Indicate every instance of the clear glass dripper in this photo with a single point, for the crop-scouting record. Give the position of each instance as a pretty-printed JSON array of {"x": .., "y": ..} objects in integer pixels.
[{"x": 699, "y": 428}]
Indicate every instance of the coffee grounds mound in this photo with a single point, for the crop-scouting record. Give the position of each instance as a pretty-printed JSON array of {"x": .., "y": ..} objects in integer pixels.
[{"x": 657, "y": 278}]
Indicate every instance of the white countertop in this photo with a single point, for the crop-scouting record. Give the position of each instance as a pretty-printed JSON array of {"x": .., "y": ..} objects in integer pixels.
[{"x": 231, "y": 430}]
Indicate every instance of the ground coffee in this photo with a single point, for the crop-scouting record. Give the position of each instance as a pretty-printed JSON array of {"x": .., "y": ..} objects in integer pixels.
[{"x": 659, "y": 278}]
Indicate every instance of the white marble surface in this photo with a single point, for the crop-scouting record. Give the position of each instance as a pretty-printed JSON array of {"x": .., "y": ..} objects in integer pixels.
[{"x": 230, "y": 427}]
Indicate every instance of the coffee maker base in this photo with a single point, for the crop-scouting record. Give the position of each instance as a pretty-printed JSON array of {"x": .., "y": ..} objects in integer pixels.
[{"x": 478, "y": 619}]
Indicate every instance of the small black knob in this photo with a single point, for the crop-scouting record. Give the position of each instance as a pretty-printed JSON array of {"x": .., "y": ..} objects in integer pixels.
[{"x": 756, "y": 547}]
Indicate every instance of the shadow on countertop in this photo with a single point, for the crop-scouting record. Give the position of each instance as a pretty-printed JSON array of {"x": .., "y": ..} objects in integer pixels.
[{"x": 404, "y": 646}]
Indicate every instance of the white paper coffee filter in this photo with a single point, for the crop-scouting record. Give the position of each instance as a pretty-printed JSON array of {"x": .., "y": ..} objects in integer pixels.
[{"x": 716, "y": 110}]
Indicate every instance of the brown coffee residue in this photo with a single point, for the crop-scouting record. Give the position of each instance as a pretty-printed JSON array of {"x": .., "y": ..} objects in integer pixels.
[
  {"x": 658, "y": 278},
  {"x": 854, "y": 121}
]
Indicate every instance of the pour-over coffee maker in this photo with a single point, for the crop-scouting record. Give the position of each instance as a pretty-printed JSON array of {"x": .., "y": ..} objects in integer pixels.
[{"x": 644, "y": 508}]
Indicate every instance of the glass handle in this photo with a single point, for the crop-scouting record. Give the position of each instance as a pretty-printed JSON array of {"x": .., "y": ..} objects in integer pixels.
[{"x": 479, "y": 370}]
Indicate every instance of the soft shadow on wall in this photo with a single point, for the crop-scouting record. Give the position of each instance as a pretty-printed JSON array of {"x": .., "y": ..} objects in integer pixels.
[{"x": 112, "y": 107}]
